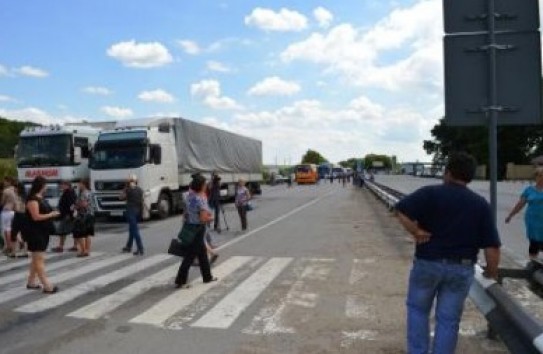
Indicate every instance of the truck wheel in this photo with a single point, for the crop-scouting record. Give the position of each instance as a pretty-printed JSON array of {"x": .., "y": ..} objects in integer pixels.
[{"x": 164, "y": 206}]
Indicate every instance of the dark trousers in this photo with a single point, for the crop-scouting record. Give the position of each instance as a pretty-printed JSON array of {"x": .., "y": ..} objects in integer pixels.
[
  {"x": 197, "y": 249},
  {"x": 535, "y": 247},
  {"x": 217, "y": 219},
  {"x": 242, "y": 212},
  {"x": 133, "y": 230}
]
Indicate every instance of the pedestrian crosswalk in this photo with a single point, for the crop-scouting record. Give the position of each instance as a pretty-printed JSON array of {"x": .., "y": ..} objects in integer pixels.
[{"x": 254, "y": 294}]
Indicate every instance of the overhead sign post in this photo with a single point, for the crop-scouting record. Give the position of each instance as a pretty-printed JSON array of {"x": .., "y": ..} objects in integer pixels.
[{"x": 492, "y": 68}]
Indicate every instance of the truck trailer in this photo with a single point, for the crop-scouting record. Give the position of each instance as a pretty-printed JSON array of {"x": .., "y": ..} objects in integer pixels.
[{"x": 164, "y": 153}]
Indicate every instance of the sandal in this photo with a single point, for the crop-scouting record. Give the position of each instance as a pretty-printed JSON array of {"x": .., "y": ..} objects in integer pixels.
[
  {"x": 57, "y": 249},
  {"x": 73, "y": 249},
  {"x": 53, "y": 290},
  {"x": 33, "y": 286}
]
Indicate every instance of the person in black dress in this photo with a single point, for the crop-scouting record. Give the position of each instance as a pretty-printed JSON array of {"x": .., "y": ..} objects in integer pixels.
[{"x": 36, "y": 233}]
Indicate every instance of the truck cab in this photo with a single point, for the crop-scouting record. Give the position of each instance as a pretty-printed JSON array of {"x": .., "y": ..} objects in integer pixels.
[
  {"x": 55, "y": 152},
  {"x": 146, "y": 151}
]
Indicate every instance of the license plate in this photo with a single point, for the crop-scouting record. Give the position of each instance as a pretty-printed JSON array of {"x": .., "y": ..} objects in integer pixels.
[{"x": 116, "y": 213}]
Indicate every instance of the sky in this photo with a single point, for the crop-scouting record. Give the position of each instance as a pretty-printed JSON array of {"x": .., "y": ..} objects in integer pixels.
[{"x": 345, "y": 78}]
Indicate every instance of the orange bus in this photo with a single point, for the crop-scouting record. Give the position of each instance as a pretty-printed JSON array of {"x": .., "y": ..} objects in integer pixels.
[{"x": 306, "y": 173}]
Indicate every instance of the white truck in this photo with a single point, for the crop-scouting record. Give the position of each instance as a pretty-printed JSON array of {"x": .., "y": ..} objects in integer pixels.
[
  {"x": 163, "y": 153},
  {"x": 56, "y": 153}
]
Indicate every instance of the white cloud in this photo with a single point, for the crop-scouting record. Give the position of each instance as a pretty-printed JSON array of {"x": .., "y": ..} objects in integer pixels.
[
  {"x": 284, "y": 20},
  {"x": 6, "y": 98},
  {"x": 158, "y": 95},
  {"x": 3, "y": 71},
  {"x": 218, "y": 67},
  {"x": 323, "y": 16},
  {"x": 190, "y": 47},
  {"x": 117, "y": 112},
  {"x": 415, "y": 33},
  {"x": 140, "y": 55},
  {"x": 353, "y": 131},
  {"x": 274, "y": 86},
  {"x": 36, "y": 115},
  {"x": 209, "y": 91},
  {"x": 97, "y": 90},
  {"x": 31, "y": 71}
]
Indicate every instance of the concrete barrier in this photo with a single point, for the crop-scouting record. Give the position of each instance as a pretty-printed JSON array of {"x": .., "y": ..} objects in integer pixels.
[{"x": 520, "y": 331}]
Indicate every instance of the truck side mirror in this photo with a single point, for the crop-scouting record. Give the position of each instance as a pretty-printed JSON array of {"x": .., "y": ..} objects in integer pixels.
[
  {"x": 156, "y": 154},
  {"x": 77, "y": 155}
]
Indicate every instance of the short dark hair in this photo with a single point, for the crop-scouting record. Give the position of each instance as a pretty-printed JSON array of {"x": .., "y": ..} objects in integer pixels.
[
  {"x": 461, "y": 166},
  {"x": 37, "y": 184},
  {"x": 198, "y": 182}
]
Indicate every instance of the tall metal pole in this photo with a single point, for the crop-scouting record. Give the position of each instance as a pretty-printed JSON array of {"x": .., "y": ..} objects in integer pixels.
[{"x": 493, "y": 108}]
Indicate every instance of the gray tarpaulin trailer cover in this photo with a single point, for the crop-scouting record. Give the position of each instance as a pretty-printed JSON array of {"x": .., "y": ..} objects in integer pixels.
[{"x": 202, "y": 148}]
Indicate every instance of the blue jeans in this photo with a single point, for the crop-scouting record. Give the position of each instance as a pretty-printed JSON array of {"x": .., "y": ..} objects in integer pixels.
[
  {"x": 133, "y": 230},
  {"x": 449, "y": 284}
]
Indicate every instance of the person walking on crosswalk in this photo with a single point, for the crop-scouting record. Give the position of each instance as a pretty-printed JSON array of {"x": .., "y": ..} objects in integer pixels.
[
  {"x": 39, "y": 216},
  {"x": 84, "y": 220},
  {"x": 133, "y": 195},
  {"x": 197, "y": 215}
]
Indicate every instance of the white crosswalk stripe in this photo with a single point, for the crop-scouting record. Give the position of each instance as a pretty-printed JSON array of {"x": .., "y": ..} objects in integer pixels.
[
  {"x": 229, "y": 309},
  {"x": 15, "y": 293},
  {"x": 179, "y": 300},
  {"x": 216, "y": 305},
  {"x": 91, "y": 285},
  {"x": 20, "y": 275},
  {"x": 12, "y": 264}
]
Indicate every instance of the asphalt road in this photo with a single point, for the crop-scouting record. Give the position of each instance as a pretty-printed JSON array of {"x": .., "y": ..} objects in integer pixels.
[{"x": 322, "y": 269}]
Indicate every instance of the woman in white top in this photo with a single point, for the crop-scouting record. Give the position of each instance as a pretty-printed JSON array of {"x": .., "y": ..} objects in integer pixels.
[{"x": 8, "y": 202}]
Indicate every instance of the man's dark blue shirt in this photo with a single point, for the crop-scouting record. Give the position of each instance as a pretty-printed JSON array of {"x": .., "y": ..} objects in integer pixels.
[{"x": 459, "y": 220}]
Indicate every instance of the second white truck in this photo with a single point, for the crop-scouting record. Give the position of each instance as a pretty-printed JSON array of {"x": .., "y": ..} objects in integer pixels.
[{"x": 163, "y": 153}]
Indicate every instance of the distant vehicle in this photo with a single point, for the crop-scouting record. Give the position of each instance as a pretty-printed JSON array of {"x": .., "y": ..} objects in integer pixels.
[
  {"x": 324, "y": 170},
  {"x": 58, "y": 153},
  {"x": 338, "y": 172},
  {"x": 278, "y": 179},
  {"x": 164, "y": 153},
  {"x": 306, "y": 173}
]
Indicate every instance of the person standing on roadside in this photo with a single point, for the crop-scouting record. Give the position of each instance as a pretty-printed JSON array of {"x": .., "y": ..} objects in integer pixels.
[
  {"x": 196, "y": 216},
  {"x": 39, "y": 216},
  {"x": 133, "y": 195},
  {"x": 449, "y": 224},
  {"x": 19, "y": 221},
  {"x": 242, "y": 201},
  {"x": 215, "y": 200},
  {"x": 66, "y": 205},
  {"x": 533, "y": 218},
  {"x": 8, "y": 200},
  {"x": 84, "y": 220}
]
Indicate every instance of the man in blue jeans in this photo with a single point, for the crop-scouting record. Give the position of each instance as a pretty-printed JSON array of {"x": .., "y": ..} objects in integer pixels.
[
  {"x": 449, "y": 224},
  {"x": 133, "y": 195}
]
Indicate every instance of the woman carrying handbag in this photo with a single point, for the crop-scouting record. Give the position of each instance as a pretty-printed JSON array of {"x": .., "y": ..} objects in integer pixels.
[{"x": 197, "y": 215}]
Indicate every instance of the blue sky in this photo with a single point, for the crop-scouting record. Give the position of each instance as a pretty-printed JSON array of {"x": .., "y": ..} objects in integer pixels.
[{"x": 345, "y": 78}]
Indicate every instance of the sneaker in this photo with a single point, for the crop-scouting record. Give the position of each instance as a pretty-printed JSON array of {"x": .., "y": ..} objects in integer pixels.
[
  {"x": 138, "y": 253},
  {"x": 125, "y": 250}
]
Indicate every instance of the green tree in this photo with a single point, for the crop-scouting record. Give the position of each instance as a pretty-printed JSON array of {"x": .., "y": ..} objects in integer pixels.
[
  {"x": 517, "y": 144},
  {"x": 349, "y": 163},
  {"x": 9, "y": 136},
  {"x": 385, "y": 160},
  {"x": 312, "y": 156}
]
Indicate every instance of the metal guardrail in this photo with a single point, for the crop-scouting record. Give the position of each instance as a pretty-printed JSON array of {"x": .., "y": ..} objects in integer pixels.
[{"x": 520, "y": 331}]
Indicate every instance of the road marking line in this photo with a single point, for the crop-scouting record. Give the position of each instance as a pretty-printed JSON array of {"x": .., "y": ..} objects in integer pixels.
[
  {"x": 74, "y": 292},
  {"x": 270, "y": 320},
  {"x": 356, "y": 308},
  {"x": 15, "y": 264},
  {"x": 21, "y": 275},
  {"x": 232, "y": 305},
  {"x": 110, "y": 302},
  {"x": 67, "y": 275},
  {"x": 181, "y": 299},
  {"x": 350, "y": 337},
  {"x": 273, "y": 222},
  {"x": 358, "y": 270}
]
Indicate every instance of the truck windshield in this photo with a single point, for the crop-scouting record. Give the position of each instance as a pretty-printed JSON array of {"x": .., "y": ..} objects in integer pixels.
[
  {"x": 108, "y": 157},
  {"x": 45, "y": 150}
]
